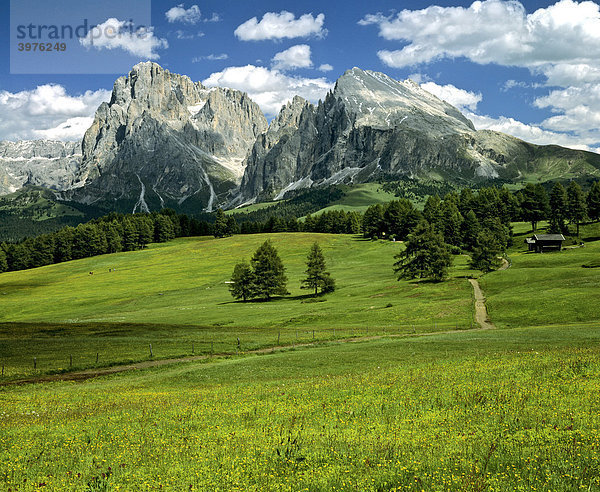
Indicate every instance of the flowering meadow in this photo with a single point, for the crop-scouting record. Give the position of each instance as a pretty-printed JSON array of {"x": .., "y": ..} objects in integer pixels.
[{"x": 496, "y": 410}]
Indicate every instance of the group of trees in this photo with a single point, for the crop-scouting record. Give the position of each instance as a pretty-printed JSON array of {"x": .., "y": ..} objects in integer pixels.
[
  {"x": 476, "y": 222},
  {"x": 264, "y": 277},
  {"x": 110, "y": 234},
  {"x": 560, "y": 206}
]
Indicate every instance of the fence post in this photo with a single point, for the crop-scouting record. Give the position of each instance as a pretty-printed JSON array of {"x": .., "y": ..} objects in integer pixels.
[
  {"x": 192, "y": 348},
  {"x": 313, "y": 334},
  {"x": 150, "y": 350},
  {"x": 34, "y": 363},
  {"x": 97, "y": 357}
]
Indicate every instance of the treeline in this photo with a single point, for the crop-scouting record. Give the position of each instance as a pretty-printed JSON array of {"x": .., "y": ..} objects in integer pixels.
[
  {"x": 466, "y": 220},
  {"x": 331, "y": 222},
  {"x": 112, "y": 233}
]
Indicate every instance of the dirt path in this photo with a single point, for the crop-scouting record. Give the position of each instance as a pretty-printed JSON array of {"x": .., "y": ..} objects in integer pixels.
[{"x": 481, "y": 315}]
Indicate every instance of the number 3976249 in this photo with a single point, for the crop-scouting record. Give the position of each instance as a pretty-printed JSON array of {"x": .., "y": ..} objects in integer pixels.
[{"x": 42, "y": 46}]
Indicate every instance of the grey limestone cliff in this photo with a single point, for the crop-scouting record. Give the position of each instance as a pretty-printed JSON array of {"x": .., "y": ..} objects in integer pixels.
[
  {"x": 46, "y": 163},
  {"x": 163, "y": 140}
]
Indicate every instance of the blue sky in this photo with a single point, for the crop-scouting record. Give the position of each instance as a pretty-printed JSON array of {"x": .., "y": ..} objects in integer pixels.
[{"x": 529, "y": 68}]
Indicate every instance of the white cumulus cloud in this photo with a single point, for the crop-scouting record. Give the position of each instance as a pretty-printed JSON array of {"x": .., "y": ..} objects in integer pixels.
[
  {"x": 271, "y": 89},
  {"x": 459, "y": 98},
  {"x": 295, "y": 57},
  {"x": 116, "y": 34},
  {"x": 325, "y": 67},
  {"x": 533, "y": 133},
  {"x": 281, "y": 25},
  {"x": 560, "y": 42},
  {"x": 181, "y": 14},
  {"x": 48, "y": 112}
]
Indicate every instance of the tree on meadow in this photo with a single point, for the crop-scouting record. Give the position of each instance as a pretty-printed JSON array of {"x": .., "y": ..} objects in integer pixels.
[
  {"x": 487, "y": 251},
  {"x": 470, "y": 228},
  {"x": 373, "y": 221},
  {"x": 426, "y": 255},
  {"x": 242, "y": 281},
  {"x": 593, "y": 202},
  {"x": 221, "y": 229},
  {"x": 269, "y": 272},
  {"x": 534, "y": 204},
  {"x": 3, "y": 262},
  {"x": 576, "y": 207},
  {"x": 317, "y": 276},
  {"x": 558, "y": 208}
]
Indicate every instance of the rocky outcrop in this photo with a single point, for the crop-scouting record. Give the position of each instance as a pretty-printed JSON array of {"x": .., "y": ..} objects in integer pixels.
[
  {"x": 46, "y": 163},
  {"x": 163, "y": 140},
  {"x": 372, "y": 126}
]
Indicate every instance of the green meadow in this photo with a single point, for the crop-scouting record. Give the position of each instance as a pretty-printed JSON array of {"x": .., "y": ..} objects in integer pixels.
[
  {"x": 490, "y": 410},
  {"x": 175, "y": 294},
  {"x": 381, "y": 385}
]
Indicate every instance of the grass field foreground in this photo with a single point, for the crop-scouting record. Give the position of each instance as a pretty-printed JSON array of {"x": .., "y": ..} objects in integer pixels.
[{"x": 495, "y": 410}]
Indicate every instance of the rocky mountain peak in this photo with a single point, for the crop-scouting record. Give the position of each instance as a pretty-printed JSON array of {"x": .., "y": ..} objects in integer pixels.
[
  {"x": 164, "y": 138},
  {"x": 379, "y": 101}
]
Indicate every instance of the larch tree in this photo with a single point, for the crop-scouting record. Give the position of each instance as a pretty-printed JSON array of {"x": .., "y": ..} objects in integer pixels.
[
  {"x": 269, "y": 272},
  {"x": 317, "y": 276},
  {"x": 426, "y": 255},
  {"x": 593, "y": 202},
  {"x": 242, "y": 281},
  {"x": 576, "y": 204}
]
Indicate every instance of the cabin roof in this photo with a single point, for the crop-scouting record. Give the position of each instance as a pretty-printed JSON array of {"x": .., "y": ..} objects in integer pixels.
[{"x": 548, "y": 237}]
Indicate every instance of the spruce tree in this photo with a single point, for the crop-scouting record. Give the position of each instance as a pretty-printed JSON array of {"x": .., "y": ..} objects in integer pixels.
[
  {"x": 470, "y": 228},
  {"x": 316, "y": 274},
  {"x": 486, "y": 252},
  {"x": 269, "y": 272},
  {"x": 221, "y": 229},
  {"x": 242, "y": 281},
  {"x": 534, "y": 204},
  {"x": 426, "y": 255},
  {"x": 593, "y": 202},
  {"x": 575, "y": 204},
  {"x": 558, "y": 208}
]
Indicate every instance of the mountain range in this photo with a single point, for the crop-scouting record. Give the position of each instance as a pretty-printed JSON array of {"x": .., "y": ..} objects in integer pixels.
[{"x": 165, "y": 141}]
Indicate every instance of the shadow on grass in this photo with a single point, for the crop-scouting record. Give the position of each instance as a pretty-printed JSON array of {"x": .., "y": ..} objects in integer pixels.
[{"x": 303, "y": 297}]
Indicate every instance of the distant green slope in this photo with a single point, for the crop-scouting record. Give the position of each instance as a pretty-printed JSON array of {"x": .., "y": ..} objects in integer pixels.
[
  {"x": 34, "y": 210},
  {"x": 184, "y": 282}
]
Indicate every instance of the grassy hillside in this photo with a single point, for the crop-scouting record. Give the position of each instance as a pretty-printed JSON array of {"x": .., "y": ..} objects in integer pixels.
[
  {"x": 33, "y": 210},
  {"x": 174, "y": 294},
  {"x": 500, "y": 410},
  {"x": 549, "y": 288}
]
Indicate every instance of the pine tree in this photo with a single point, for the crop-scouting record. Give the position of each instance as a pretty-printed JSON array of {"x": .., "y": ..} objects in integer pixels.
[
  {"x": 242, "y": 282},
  {"x": 558, "y": 208},
  {"x": 451, "y": 223},
  {"x": 593, "y": 202},
  {"x": 373, "y": 221},
  {"x": 433, "y": 210},
  {"x": 426, "y": 255},
  {"x": 470, "y": 228},
  {"x": 316, "y": 274},
  {"x": 269, "y": 272},
  {"x": 575, "y": 204},
  {"x": 486, "y": 252},
  {"x": 534, "y": 204},
  {"x": 221, "y": 229}
]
